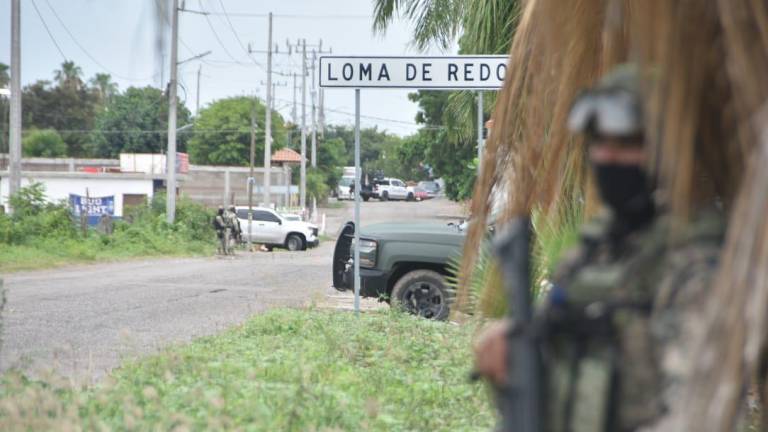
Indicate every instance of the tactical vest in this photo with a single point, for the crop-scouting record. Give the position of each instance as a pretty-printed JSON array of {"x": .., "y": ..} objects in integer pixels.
[{"x": 602, "y": 374}]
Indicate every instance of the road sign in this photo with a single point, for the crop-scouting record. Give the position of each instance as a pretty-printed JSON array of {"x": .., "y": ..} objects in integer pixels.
[
  {"x": 451, "y": 72},
  {"x": 436, "y": 73}
]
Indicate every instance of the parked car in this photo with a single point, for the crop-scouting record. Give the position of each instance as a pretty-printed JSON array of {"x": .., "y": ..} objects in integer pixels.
[
  {"x": 275, "y": 230},
  {"x": 392, "y": 189},
  {"x": 431, "y": 187},
  {"x": 407, "y": 263},
  {"x": 419, "y": 194}
]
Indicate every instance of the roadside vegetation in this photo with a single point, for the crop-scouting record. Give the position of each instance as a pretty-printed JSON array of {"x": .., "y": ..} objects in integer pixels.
[
  {"x": 288, "y": 370},
  {"x": 40, "y": 234}
]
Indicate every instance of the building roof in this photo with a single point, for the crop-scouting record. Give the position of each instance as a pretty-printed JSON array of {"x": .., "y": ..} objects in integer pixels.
[{"x": 286, "y": 155}]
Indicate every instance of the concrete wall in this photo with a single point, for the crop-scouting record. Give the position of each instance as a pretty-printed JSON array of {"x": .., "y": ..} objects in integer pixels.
[
  {"x": 59, "y": 164},
  {"x": 216, "y": 185},
  {"x": 58, "y": 185}
]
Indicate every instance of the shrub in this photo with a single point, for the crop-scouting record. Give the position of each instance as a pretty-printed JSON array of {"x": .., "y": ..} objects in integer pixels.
[{"x": 43, "y": 143}]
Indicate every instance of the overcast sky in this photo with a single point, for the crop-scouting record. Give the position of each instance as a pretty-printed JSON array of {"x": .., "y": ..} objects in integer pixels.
[{"x": 118, "y": 37}]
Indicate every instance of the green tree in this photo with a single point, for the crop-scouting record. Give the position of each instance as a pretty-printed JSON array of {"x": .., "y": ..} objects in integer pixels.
[
  {"x": 43, "y": 143},
  {"x": 373, "y": 143},
  {"x": 67, "y": 107},
  {"x": 448, "y": 148},
  {"x": 485, "y": 26},
  {"x": 223, "y": 132},
  {"x": 331, "y": 157},
  {"x": 69, "y": 76},
  {"x": 104, "y": 87},
  {"x": 136, "y": 122}
]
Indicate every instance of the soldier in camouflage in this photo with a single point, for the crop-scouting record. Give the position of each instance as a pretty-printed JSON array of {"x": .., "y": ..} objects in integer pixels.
[{"x": 612, "y": 330}]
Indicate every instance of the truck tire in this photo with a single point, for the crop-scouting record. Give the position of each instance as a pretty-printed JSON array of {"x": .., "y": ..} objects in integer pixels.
[
  {"x": 384, "y": 196},
  {"x": 366, "y": 198},
  {"x": 409, "y": 197},
  {"x": 294, "y": 242},
  {"x": 423, "y": 293}
]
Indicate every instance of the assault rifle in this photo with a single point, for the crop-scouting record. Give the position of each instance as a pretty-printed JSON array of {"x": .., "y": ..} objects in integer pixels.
[{"x": 519, "y": 400}]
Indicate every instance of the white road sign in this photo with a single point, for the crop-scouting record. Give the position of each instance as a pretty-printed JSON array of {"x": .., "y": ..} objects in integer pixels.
[{"x": 456, "y": 72}]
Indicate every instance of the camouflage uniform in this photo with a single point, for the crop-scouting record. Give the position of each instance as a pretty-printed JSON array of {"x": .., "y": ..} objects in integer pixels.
[{"x": 613, "y": 335}]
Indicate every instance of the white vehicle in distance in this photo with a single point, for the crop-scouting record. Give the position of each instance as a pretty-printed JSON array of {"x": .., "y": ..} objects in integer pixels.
[
  {"x": 275, "y": 230},
  {"x": 392, "y": 189},
  {"x": 343, "y": 190}
]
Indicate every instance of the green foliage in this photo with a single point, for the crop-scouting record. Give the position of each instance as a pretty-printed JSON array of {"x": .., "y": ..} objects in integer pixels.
[
  {"x": 223, "y": 132},
  {"x": 449, "y": 149},
  {"x": 486, "y": 26},
  {"x": 373, "y": 143},
  {"x": 43, "y": 143},
  {"x": 141, "y": 116},
  {"x": 42, "y": 234},
  {"x": 285, "y": 370},
  {"x": 331, "y": 157},
  {"x": 316, "y": 184},
  {"x": 68, "y": 107}
]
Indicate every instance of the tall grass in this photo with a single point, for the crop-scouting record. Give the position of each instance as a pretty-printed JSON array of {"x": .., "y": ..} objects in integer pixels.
[{"x": 285, "y": 370}]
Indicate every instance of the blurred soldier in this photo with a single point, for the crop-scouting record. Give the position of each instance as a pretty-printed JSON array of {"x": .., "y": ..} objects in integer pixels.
[
  {"x": 611, "y": 329},
  {"x": 220, "y": 225},
  {"x": 234, "y": 223}
]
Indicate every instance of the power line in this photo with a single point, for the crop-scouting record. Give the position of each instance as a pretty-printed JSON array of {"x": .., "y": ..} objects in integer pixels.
[
  {"x": 218, "y": 39},
  {"x": 56, "y": 15},
  {"x": 53, "y": 39},
  {"x": 231, "y": 27}
]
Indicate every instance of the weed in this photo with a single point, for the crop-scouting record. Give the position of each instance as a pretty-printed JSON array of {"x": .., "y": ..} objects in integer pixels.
[{"x": 291, "y": 370}]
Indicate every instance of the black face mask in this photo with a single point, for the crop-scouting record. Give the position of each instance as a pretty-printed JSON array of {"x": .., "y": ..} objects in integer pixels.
[{"x": 627, "y": 191}]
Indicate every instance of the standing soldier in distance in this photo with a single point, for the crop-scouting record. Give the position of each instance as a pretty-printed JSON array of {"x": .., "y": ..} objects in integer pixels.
[
  {"x": 234, "y": 222},
  {"x": 219, "y": 224},
  {"x": 612, "y": 330}
]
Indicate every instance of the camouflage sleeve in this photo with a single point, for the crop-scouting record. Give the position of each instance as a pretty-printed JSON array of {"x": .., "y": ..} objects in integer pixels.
[{"x": 685, "y": 281}]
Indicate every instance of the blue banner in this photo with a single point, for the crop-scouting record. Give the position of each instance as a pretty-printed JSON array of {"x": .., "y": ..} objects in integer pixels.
[{"x": 94, "y": 207}]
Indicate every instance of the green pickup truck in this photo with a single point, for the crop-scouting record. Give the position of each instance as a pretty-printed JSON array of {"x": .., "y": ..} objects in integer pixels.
[{"x": 407, "y": 263}]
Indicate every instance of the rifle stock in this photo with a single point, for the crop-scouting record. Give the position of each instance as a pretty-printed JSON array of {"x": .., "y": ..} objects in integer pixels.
[{"x": 520, "y": 399}]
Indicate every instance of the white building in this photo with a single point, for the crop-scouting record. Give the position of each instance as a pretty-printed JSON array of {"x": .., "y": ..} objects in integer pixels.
[{"x": 128, "y": 189}]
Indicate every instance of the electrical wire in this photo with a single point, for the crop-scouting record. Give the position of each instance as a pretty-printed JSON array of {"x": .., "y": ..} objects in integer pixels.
[
  {"x": 93, "y": 59},
  {"x": 47, "y": 30},
  {"x": 231, "y": 27},
  {"x": 218, "y": 39}
]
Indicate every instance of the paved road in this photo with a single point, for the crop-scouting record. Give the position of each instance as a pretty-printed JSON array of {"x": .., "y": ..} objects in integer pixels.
[{"x": 81, "y": 321}]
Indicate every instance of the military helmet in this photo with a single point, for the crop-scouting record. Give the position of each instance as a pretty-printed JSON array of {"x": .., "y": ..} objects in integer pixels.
[{"x": 612, "y": 108}]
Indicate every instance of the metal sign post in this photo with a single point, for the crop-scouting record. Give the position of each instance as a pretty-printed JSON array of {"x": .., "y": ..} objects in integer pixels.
[
  {"x": 425, "y": 73},
  {"x": 358, "y": 175}
]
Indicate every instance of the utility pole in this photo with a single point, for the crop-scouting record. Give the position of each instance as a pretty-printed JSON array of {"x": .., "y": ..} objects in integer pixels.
[
  {"x": 321, "y": 115},
  {"x": 170, "y": 208},
  {"x": 314, "y": 115},
  {"x": 14, "y": 148},
  {"x": 197, "y": 99},
  {"x": 303, "y": 188},
  {"x": 268, "y": 120},
  {"x": 294, "y": 115},
  {"x": 251, "y": 180}
]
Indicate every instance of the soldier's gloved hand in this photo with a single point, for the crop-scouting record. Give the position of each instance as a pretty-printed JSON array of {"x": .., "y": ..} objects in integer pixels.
[{"x": 491, "y": 352}]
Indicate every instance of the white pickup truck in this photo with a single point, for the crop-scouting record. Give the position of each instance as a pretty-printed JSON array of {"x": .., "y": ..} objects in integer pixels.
[
  {"x": 392, "y": 189},
  {"x": 273, "y": 229}
]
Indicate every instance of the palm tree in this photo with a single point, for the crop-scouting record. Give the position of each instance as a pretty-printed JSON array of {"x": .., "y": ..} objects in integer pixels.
[
  {"x": 104, "y": 87},
  {"x": 69, "y": 76},
  {"x": 484, "y": 25}
]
